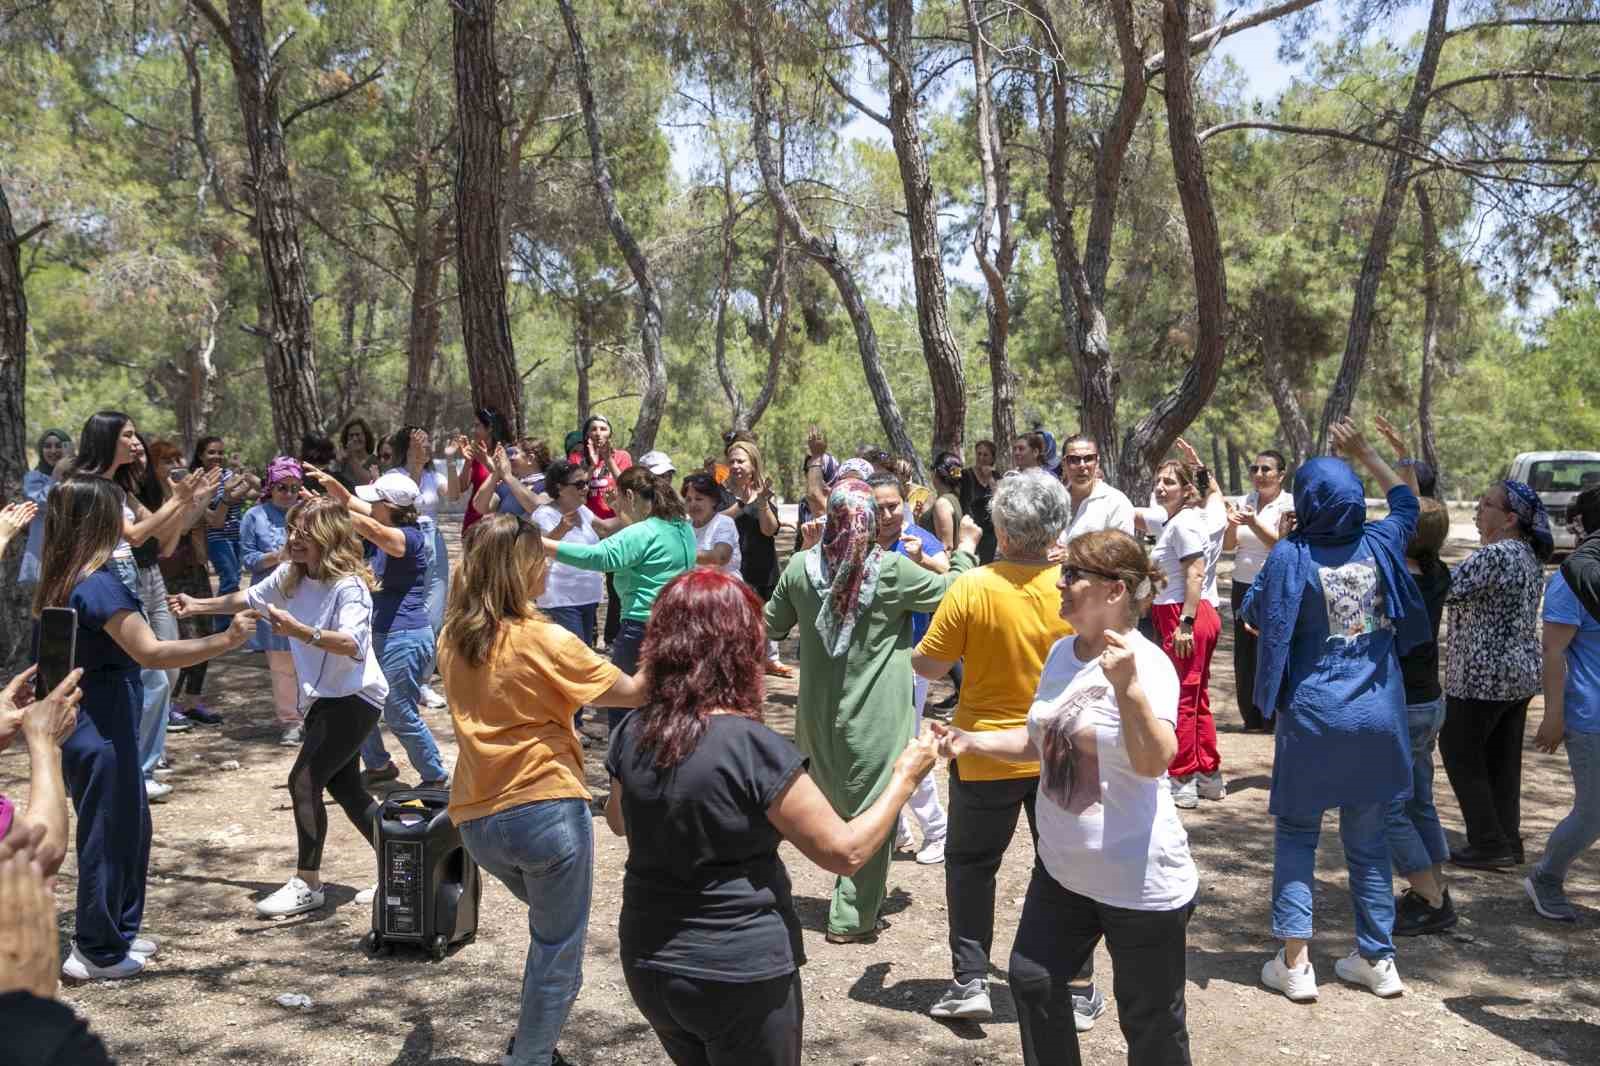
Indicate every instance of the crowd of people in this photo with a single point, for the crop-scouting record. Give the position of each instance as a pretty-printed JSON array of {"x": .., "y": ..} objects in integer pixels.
[{"x": 1077, "y": 627}]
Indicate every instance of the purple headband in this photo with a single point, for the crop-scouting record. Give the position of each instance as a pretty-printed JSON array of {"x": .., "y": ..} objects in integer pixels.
[{"x": 283, "y": 468}]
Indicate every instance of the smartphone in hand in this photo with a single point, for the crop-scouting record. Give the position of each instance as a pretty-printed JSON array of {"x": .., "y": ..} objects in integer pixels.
[{"x": 58, "y": 648}]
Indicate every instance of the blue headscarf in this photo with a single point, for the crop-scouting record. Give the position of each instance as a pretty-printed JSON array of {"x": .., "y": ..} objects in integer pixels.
[
  {"x": 1330, "y": 510},
  {"x": 1529, "y": 509}
]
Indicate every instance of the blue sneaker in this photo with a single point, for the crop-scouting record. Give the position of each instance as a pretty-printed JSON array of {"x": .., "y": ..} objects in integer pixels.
[
  {"x": 203, "y": 714},
  {"x": 1087, "y": 1009}
]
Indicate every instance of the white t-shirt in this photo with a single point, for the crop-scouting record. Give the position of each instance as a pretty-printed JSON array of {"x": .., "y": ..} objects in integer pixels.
[
  {"x": 431, "y": 487},
  {"x": 1250, "y": 555},
  {"x": 1104, "y": 508},
  {"x": 567, "y": 586},
  {"x": 1192, "y": 531},
  {"x": 344, "y": 606},
  {"x": 720, "y": 530},
  {"x": 1104, "y": 831}
]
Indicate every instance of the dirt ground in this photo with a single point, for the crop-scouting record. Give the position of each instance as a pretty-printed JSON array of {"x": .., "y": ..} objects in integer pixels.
[{"x": 1505, "y": 988}]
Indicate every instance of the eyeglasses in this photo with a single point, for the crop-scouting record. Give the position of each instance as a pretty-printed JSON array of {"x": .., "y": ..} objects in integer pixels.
[
  {"x": 1080, "y": 460},
  {"x": 284, "y": 486},
  {"x": 583, "y": 485},
  {"x": 1263, "y": 469},
  {"x": 1072, "y": 574}
]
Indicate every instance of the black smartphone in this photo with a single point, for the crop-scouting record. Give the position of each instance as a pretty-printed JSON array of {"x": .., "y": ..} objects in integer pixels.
[{"x": 58, "y": 648}]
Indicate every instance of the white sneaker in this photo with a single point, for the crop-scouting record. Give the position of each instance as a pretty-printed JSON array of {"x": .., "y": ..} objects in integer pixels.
[
  {"x": 145, "y": 947},
  {"x": 1381, "y": 976},
  {"x": 1185, "y": 793},
  {"x": 79, "y": 968},
  {"x": 932, "y": 853},
  {"x": 1299, "y": 985},
  {"x": 966, "y": 1002},
  {"x": 430, "y": 698},
  {"x": 295, "y": 897},
  {"x": 903, "y": 840},
  {"x": 1210, "y": 786},
  {"x": 364, "y": 897},
  {"x": 293, "y": 736},
  {"x": 157, "y": 791}
]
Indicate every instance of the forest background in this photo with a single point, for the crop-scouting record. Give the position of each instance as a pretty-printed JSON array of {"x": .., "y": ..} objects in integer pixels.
[{"x": 912, "y": 224}]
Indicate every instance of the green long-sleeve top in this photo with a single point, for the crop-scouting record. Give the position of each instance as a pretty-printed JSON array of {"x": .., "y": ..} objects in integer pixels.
[
  {"x": 641, "y": 558},
  {"x": 854, "y": 713}
]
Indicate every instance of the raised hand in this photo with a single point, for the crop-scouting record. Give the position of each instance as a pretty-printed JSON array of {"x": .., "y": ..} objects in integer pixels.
[
  {"x": 968, "y": 535},
  {"x": 1117, "y": 662},
  {"x": 1345, "y": 438},
  {"x": 14, "y": 518},
  {"x": 1186, "y": 449},
  {"x": 417, "y": 440},
  {"x": 811, "y": 533},
  {"x": 1391, "y": 435},
  {"x": 816, "y": 443},
  {"x": 912, "y": 546},
  {"x": 1056, "y": 554},
  {"x": 500, "y": 463},
  {"x": 336, "y": 492}
]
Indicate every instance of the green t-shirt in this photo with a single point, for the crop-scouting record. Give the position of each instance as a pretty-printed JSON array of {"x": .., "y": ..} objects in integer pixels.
[{"x": 641, "y": 558}]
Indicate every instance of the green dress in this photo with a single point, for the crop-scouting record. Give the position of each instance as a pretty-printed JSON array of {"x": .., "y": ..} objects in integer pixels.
[{"x": 854, "y": 717}]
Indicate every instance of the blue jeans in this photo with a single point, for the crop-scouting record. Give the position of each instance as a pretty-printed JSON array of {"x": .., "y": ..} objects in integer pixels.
[
  {"x": 544, "y": 852},
  {"x": 1578, "y": 831},
  {"x": 158, "y": 684},
  {"x": 224, "y": 556},
  {"x": 1416, "y": 839},
  {"x": 406, "y": 656},
  {"x": 438, "y": 579},
  {"x": 625, "y": 657},
  {"x": 581, "y": 622},
  {"x": 1366, "y": 856}
]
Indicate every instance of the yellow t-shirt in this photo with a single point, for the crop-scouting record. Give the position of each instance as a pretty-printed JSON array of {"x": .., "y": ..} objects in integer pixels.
[
  {"x": 513, "y": 717},
  {"x": 1002, "y": 619}
]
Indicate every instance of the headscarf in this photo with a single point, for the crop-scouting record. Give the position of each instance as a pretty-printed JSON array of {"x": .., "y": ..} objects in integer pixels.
[
  {"x": 1331, "y": 509},
  {"x": 844, "y": 567},
  {"x": 852, "y": 469},
  {"x": 572, "y": 442},
  {"x": 948, "y": 467},
  {"x": 59, "y": 434},
  {"x": 1523, "y": 502},
  {"x": 283, "y": 468}
]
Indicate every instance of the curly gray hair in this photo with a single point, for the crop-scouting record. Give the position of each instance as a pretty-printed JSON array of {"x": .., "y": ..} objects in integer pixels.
[{"x": 1030, "y": 509}]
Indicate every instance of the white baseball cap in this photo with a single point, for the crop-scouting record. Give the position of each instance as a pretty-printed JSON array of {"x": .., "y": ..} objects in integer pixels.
[
  {"x": 394, "y": 488},
  {"x": 657, "y": 463}
]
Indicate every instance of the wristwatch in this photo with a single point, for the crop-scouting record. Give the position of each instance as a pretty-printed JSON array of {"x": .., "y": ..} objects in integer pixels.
[
  {"x": 1187, "y": 620},
  {"x": 316, "y": 636}
]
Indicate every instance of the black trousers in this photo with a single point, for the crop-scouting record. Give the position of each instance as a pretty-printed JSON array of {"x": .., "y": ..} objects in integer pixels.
[
  {"x": 613, "y": 611},
  {"x": 721, "y": 1023},
  {"x": 1481, "y": 745},
  {"x": 1244, "y": 663},
  {"x": 1058, "y": 931},
  {"x": 334, "y": 729}
]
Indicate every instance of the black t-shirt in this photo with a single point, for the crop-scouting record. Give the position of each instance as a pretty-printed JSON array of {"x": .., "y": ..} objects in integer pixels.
[
  {"x": 45, "y": 1032},
  {"x": 758, "y": 553},
  {"x": 704, "y": 894},
  {"x": 1420, "y": 668}
]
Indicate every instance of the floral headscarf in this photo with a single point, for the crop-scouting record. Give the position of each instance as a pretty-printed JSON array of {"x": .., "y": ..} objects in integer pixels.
[
  {"x": 1530, "y": 512},
  {"x": 844, "y": 567},
  {"x": 859, "y": 469}
]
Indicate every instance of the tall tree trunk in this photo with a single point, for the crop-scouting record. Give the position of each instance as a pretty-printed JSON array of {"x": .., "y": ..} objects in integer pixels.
[
  {"x": 480, "y": 176},
  {"x": 826, "y": 253},
  {"x": 719, "y": 338},
  {"x": 1430, "y": 325},
  {"x": 1292, "y": 421},
  {"x": 939, "y": 348},
  {"x": 1235, "y": 482},
  {"x": 776, "y": 330},
  {"x": 653, "y": 404},
  {"x": 1149, "y": 440},
  {"x": 995, "y": 169},
  {"x": 776, "y": 333},
  {"x": 15, "y": 622},
  {"x": 1082, "y": 281},
  {"x": 291, "y": 362},
  {"x": 1364, "y": 308},
  {"x": 192, "y": 387},
  {"x": 430, "y": 237},
  {"x": 583, "y": 353}
]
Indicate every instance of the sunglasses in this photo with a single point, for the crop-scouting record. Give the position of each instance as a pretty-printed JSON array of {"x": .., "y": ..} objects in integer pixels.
[
  {"x": 1080, "y": 460},
  {"x": 584, "y": 484},
  {"x": 1263, "y": 469},
  {"x": 284, "y": 486},
  {"x": 1072, "y": 574}
]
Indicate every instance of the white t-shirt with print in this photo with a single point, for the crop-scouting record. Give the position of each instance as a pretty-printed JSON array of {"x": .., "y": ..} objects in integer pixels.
[
  {"x": 720, "y": 530},
  {"x": 1250, "y": 555},
  {"x": 1105, "y": 831},
  {"x": 567, "y": 586},
  {"x": 344, "y": 606},
  {"x": 1192, "y": 531}
]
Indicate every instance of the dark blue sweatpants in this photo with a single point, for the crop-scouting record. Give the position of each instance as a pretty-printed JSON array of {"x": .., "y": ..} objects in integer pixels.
[{"x": 101, "y": 762}]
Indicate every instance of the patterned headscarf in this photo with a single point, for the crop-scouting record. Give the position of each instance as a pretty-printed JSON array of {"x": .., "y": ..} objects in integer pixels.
[
  {"x": 284, "y": 468},
  {"x": 859, "y": 469},
  {"x": 1529, "y": 509},
  {"x": 844, "y": 567}
]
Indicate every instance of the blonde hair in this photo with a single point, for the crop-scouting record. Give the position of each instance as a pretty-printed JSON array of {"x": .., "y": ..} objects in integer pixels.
[
  {"x": 752, "y": 451},
  {"x": 1112, "y": 551},
  {"x": 326, "y": 524},
  {"x": 493, "y": 584}
]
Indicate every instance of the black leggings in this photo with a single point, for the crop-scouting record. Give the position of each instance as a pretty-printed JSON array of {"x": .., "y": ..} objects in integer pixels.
[
  {"x": 721, "y": 1023},
  {"x": 334, "y": 727},
  {"x": 191, "y": 680}
]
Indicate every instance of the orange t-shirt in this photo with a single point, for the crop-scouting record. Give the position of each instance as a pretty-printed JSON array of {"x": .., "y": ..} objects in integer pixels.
[{"x": 513, "y": 717}]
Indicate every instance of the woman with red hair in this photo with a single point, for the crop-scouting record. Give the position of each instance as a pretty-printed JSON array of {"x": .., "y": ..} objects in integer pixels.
[{"x": 705, "y": 793}]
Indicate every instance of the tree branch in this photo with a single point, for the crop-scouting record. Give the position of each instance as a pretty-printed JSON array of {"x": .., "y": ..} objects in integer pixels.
[
  {"x": 33, "y": 231},
  {"x": 333, "y": 97},
  {"x": 876, "y": 116},
  {"x": 1515, "y": 75},
  {"x": 1207, "y": 38},
  {"x": 1495, "y": 24},
  {"x": 209, "y": 12}
]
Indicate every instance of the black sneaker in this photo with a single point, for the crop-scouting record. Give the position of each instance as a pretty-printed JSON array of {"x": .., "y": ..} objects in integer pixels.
[
  {"x": 1414, "y": 917},
  {"x": 369, "y": 778},
  {"x": 556, "y": 1058},
  {"x": 1473, "y": 858}
]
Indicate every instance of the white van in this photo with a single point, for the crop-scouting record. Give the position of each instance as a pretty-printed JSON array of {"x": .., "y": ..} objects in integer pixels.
[{"x": 1557, "y": 477}]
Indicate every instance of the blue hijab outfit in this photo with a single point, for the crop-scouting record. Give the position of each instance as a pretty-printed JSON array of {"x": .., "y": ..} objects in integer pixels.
[{"x": 1336, "y": 607}]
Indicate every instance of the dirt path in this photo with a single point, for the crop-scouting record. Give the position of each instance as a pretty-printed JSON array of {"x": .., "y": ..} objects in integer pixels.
[{"x": 1506, "y": 988}]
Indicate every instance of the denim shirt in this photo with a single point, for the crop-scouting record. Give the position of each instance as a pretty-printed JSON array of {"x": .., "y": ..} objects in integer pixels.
[
  {"x": 36, "y": 487},
  {"x": 261, "y": 533}
]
